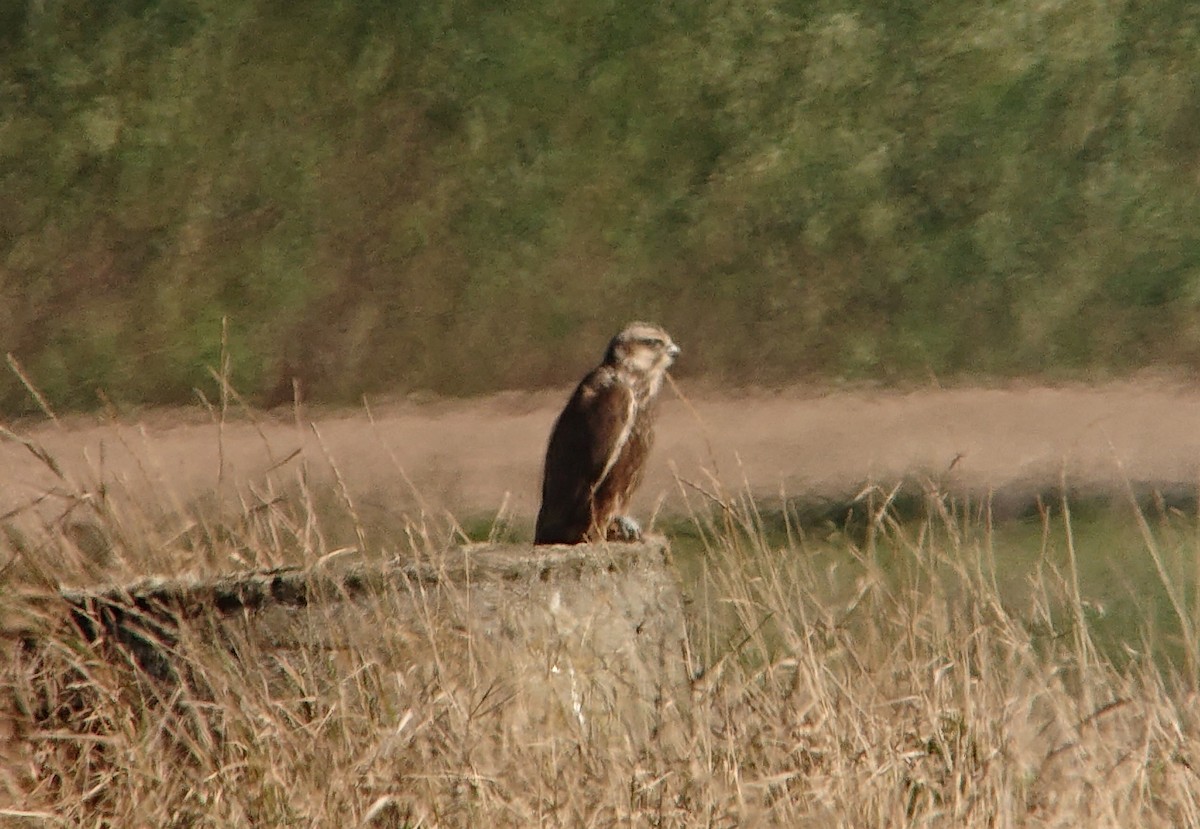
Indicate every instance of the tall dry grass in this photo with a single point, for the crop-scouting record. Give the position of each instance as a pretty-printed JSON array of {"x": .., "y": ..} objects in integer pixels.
[{"x": 891, "y": 684}]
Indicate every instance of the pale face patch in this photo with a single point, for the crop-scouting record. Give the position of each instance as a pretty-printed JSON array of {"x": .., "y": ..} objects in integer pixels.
[{"x": 646, "y": 350}]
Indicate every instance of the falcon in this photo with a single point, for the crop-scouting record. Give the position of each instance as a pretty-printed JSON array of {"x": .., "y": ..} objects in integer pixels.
[{"x": 599, "y": 443}]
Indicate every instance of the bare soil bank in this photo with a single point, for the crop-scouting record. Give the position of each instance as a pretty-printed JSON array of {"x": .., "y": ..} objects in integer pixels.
[{"x": 475, "y": 456}]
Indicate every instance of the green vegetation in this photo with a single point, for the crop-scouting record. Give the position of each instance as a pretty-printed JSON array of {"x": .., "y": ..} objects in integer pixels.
[
  {"x": 466, "y": 196},
  {"x": 907, "y": 540}
]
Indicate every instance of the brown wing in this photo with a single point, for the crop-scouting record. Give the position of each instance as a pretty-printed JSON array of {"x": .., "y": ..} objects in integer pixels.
[
  {"x": 584, "y": 447},
  {"x": 612, "y": 495}
]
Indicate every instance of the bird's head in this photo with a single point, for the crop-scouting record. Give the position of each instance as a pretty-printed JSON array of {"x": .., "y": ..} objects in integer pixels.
[{"x": 642, "y": 349}]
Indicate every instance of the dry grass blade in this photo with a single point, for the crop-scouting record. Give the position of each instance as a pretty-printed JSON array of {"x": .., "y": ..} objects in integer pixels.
[
  {"x": 865, "y": 674},
  {"x": 43, "y": 404},
  {"x": 37, "y": 451}
]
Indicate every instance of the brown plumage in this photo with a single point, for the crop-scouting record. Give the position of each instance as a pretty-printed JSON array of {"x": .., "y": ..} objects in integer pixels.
[{"x": 600, "y": 441}]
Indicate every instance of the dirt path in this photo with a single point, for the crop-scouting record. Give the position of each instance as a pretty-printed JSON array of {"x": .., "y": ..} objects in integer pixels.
[{"x": 473, "y": 456}]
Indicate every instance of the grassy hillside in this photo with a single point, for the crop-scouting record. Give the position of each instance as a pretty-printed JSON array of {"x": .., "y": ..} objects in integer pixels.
[{"x": 467, "y": 196}]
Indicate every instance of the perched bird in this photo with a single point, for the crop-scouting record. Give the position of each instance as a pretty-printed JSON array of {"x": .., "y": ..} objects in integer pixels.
[{"x": 599, "y": 444}]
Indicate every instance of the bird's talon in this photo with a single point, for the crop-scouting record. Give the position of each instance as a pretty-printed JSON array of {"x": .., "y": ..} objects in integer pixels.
[{"x": 624, "y": 528}]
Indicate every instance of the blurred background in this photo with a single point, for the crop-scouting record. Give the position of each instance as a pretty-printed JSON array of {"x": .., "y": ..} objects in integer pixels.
[{"x": 462, "y": 196}]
